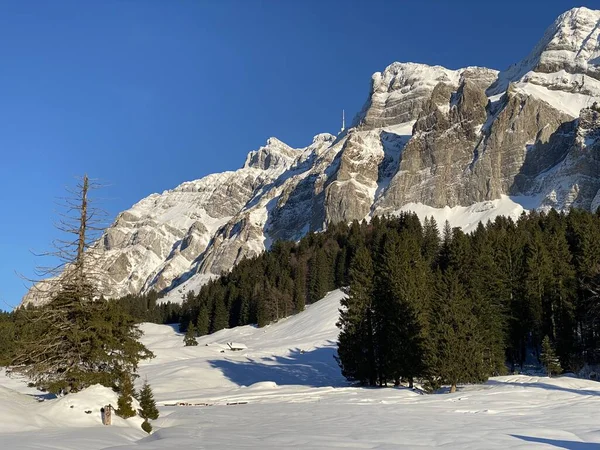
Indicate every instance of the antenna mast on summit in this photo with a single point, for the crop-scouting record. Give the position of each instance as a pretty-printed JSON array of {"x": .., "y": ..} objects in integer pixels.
[{"x": 343, "y": 121}]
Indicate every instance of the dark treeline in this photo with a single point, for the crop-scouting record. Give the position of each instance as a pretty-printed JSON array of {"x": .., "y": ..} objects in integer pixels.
[
  {"x": 277, "y": 283},
  {"x": 136, "y": 308},
  {"x": 461, "y": 307},
  {"x": 147, "y": 308},
  {"x": 450, "y": 307}
]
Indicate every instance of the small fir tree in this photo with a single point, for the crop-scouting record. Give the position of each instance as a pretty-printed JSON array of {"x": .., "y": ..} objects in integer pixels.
[
  {"x": 126, "y": 392},
  {"x": 148, "y": 408},
  {"x": 549, "y": 358},
  {"x": 190, "y": 336},
  {"x": 146, "y": 426}
]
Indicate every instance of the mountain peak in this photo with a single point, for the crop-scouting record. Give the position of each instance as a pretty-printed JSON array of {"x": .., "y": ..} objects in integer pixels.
[
  {"x": 275, "y": 154},
  {"x": 273, "y": 141},
  {"x": 570, "y": 46}
]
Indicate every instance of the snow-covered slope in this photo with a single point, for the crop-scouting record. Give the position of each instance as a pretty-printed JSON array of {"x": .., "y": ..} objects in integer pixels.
[
  {"x": 285, "y": 390},
  {"x": 465, "y": 144}
]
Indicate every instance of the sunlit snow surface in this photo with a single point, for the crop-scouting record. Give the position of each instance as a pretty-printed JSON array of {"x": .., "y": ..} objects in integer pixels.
[{"x": 286, "y": 391}]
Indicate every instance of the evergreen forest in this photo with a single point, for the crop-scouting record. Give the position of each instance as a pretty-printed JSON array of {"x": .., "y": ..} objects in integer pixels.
[{"x": 439, "y": 307}]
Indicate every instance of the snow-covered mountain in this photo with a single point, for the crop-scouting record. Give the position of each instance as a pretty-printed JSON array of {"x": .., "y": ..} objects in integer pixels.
[{"x": 463, "y": 145}]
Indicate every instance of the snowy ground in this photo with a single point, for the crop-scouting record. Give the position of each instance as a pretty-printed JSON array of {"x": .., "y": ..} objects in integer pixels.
[{"x": 285, "y": 391}]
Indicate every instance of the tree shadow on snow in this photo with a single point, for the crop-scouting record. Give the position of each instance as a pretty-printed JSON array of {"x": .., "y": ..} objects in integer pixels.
[
  {"x": 315, "y": 368},
  {"x": 541, "y": 385},
  {"x": 570, "y": 445},
  {"x": 43, "y": 396}
]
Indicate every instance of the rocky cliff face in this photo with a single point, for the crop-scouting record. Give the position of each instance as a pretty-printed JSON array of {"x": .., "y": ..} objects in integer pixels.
[{"x": 426, "y": 136}]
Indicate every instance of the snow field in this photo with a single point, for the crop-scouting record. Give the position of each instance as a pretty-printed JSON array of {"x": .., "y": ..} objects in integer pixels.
[{"x": 286, "y": 391}]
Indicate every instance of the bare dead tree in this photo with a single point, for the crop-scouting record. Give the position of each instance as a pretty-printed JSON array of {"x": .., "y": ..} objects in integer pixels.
[{"x": 75, "y": 255}]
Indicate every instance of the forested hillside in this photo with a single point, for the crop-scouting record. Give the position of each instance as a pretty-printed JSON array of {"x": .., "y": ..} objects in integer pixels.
[
  {"x": 421, "y": 304},
  {"x": 443, "y": 307}
]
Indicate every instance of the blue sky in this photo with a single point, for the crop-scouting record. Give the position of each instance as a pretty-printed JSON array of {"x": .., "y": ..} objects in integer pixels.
[{"x": 147, "y": 94}]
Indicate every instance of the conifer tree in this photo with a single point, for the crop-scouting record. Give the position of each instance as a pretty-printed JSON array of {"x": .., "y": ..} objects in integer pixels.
[
  {"x": 458, "y": 342},
  {"x": 483, "y": 283},
  {"x": 146, "y": 426},
  {"x": 400, "y": 302},
  {"x": 340, "y": 267},
  {"x": 124, "y": 403},
  {"x": 431, "y": 240},
  {"x": 508, "y": 248},
  {"x": 356, "y": 346},
  {"x": 148, "y": 409},
  {"x": 319, "y": 275},
  {"x": 190, "y": 336},
  {"x": 204, "y": 320},
  {"x": 562, "y": 290},
  {"x": 76, "y": 338},
  {"x": 300, "y": 286},
  {"x": 219, "y": 316},
  {"x": 536, "y": 276},
  {"x": 549, "y": 358}
]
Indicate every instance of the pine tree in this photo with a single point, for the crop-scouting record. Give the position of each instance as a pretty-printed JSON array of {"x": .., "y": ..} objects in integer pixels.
[
  {"x": 300, "y": 286},
  {"x": 203, "y": 320},
  {"x": 356, "y": 346},
  {"x": 549, "y": 359},
  {"x": 484, "y": 285},
  {"x": 190, "y": 336},
  {"x": 76, "y": 338},
  {"x": 400, "y": 303},
  {"x": 124, "y": 403},
  {"x": 148, "y": 408},
  {"x": 431, "y": 240},
  {"x": 561, "y": 295},
  {"x": 219, "y": 317},
  {"x": 146, "y": 426},
  {"x": 537, "y": 275},
  {"x": 458, "y": 342},
  {"x": 319, "y": 275},
  {"x": 340, "y": 267}
]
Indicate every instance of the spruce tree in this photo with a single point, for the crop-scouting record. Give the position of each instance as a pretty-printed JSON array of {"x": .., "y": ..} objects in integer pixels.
[
  {"x": 219, "y": 316},
  {"x": 148, "y": 408},
  {"x": 562, "y": 292},
  {"x": 300, "y": 286},
  {"x": 356, "y": 346},
  {"x": 190, "y": 336},
  {"x": 401, "y": 299},
  {"x": 537, "y": 314},
  {"x": 458, "y": 342},
  {"x": 431, "y": 240},
  {"x": 76, "y": 338},
  {"x": 319, "y": 275},
  {"x": 340, "y": 267},
  {"x": 203, "y": 320},
  {"x": 484, "y": 285},
  {"x": 126, "y": 392},
  {"x": 549, "y": 358},
  {"x": 146, "y": 426}
]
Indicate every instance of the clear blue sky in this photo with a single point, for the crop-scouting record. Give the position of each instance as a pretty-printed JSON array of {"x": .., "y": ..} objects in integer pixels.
[{"x": 147, "y": 94}]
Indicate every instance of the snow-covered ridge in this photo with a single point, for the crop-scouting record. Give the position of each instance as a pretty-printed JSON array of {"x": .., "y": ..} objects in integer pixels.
[{"x": 485, "y": 143}]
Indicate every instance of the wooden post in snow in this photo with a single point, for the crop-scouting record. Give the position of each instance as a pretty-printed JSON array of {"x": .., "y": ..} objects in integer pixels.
[{"x": 106, "y": 414}]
